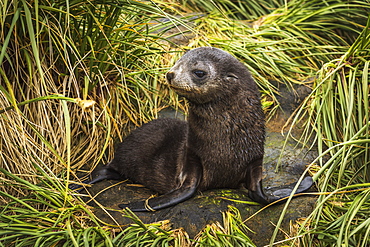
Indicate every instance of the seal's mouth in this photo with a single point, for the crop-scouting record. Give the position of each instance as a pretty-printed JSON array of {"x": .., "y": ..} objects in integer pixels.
[
  {"x": 193, "y": 94},
  {"x": 185, "y": 89}
]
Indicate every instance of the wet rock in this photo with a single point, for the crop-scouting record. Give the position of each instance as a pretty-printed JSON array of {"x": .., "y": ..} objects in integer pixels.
[{"x": 205, "y": 208}]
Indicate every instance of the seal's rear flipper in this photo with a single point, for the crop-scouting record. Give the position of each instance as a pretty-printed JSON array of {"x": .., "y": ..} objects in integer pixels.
[
  {"x": 99, "y": 175},
  {"x": 280, "y": 192}
]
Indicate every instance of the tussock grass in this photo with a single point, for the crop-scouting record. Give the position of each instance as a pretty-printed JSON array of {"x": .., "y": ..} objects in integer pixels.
[
  {"x": 338, "y": 111},
  {"x": 49, "y": 216},
  {"x": 338, "y": 120},
  {"x": 287, "y": 44},
  {"x": 233, "y": 232},
  {"x": 102, "y": 57}
]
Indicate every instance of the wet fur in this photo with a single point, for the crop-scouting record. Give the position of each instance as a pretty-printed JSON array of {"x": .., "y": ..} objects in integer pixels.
[{"x": 220, "y": 146}]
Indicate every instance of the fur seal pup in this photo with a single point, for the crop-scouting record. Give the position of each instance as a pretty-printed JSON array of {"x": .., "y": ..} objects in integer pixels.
[{"x": 220, "y": 146}]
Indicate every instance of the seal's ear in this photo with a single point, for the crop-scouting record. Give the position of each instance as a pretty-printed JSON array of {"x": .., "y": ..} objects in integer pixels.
[{"x": 232, "y": 78}]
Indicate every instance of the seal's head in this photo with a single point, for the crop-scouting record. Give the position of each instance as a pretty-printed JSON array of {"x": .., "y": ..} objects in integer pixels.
[{"x": 205, "y": 74}]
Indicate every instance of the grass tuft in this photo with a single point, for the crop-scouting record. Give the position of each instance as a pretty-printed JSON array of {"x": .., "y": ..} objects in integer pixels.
[{"x": 338, "y": 119}]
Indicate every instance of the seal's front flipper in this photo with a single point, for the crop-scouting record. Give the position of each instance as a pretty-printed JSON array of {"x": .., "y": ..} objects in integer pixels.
[
  {"x": 258, "y": 195},
  {"x": 279, "y": 192},
  {"x": 162, "y": 201},
  {"x": 285, "y": 191},
  {"x": 189, "y": 180}
]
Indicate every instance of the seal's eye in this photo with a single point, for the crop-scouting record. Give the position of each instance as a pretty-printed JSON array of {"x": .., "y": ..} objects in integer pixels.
[{"x": 199, "y": 73}]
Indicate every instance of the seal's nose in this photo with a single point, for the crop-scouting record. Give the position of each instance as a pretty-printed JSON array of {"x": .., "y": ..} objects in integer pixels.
[{"x": 170, "y": 76}]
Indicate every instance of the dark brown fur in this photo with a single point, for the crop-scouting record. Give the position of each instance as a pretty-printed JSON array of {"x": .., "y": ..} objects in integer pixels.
[
  {"x": 221, "y": 145},
  {"x": 226, "y": 122}
]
